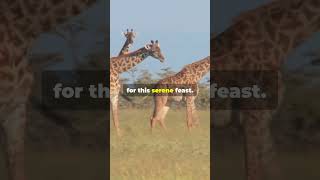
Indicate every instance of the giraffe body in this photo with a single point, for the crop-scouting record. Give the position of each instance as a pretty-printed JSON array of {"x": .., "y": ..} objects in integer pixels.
[
  {"x": 261, "y": 39},
  {"x": 122, "y": 64},
  {"x": 21, "y": 22},
  {"x": 189, "y": 75}
]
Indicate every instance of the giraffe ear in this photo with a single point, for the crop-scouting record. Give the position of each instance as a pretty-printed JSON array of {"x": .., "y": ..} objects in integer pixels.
[{"x": 157, "y": 43}]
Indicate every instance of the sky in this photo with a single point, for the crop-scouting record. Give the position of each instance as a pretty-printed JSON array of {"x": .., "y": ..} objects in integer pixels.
[{"x": 181, "y": 26}]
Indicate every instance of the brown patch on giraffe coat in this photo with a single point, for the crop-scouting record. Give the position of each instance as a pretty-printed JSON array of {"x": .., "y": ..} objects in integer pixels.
[
  {"x": 62, "y": 14},
  {"x": 269, "y": 27},
  {"x": 56, "y": 2},
  {"x": 5, "y": 76},
  {"x": 44, "y": 9},
  {"x": 293, "y": 22},
  {"x": 45, "y": 23},
  {"x": 17, "y": 41},
  {"x": 297, "y": 4},
  {"x": 316, "y": 23},
  {"x": 31, "y": 6},
  {"x": 309, "y": 13},
  {"x": 75, "y": 9},
  {"x": 21, "y": 26},
  {"x": 277, "y": 15},
  {"x": 17, "y": 11},
  {"x": 315, "y": 3},
  {"x": 284, "y": 41}
]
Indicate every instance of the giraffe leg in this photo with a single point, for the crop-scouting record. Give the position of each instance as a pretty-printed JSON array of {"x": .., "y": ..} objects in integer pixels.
[
  {"x": 14, "y": 135},
  {"x": 158, "y": 113},
  {"x": 164, "y": 112},
  {"x": 115, "y": 112},
  {"x": 195, "y": 115},
  {"x": 260, "y": 161},
  {"x": 189, "y": 102}
]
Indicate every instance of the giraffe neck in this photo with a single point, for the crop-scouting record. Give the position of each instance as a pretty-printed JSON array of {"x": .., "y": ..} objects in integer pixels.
[
  {"x": 33, "y": 17},
  {"x": 287, "y": 23},
  {"x": 298, "y": 22},
  {"x": 200, "y": 68},
  {"x": 126, "y": 62},
  {"x": 125, "y": 48}
]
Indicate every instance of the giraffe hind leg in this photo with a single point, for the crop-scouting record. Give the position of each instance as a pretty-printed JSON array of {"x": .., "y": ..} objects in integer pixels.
[
  {"x": 261, "y": 163},
  {"x": 159, "y": 112},
  {"x": 164, "y": 112},
  {"x": 13, "y": 141},
  {"x": 115, "y": 112}
]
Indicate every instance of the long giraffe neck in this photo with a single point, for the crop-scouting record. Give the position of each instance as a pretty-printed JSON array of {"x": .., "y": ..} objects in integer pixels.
[
  {"x": 126, "y": 62},
  {"x": 286, "y": 23},
  {"x": 276, "y": 28},
  {"x": 33, "y": 17},
  {"x": 196, "y": 70},
  {"x": 125, "y": 47},
  {"x": 201, "y": 68}
]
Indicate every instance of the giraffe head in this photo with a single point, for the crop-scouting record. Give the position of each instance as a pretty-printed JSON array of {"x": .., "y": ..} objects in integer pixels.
[
  {"x": 154, "y": 50},
  {"x": 130, "y": 35}
]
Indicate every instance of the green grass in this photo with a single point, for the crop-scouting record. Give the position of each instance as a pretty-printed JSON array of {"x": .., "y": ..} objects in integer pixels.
[
  {"x": 173, "y": 155},
  {"x": 68, "y": 164}
]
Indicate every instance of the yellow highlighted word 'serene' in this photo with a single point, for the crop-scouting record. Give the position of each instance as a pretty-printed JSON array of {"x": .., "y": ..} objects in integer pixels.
[{"x": 158, "y": 91}]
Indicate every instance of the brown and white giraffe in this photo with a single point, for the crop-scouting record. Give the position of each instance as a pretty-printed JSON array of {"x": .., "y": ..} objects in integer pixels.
[
  {"x": 130, "y": 35},
  {"x": 20, "y": 23},
  {"x": 190, "y": 75},
  {"x": 261, "y": 39},
  {"x": 124, "y": 63}
]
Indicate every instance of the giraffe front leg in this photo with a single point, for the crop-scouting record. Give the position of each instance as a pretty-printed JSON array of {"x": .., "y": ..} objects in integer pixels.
[
  {"x": 115, "y": 112},
  {"x": 259, "y": 150},
  {"x": 189, "y": 102},
  {"x": 159, "y": 112},
  {"x": 195, "y": 115},
  {"x": 164, "y": 112},
  {"x": 13, "y": 141}
]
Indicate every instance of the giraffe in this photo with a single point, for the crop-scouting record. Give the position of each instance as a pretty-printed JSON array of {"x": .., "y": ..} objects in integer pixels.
[
  {"x": 20, "y": 23},
  {"x": 124, "y": 63},
  {"x": 130, "y": 35},
  {"x": 189, "y": 75},
  {"x": 261, "y": 39}
]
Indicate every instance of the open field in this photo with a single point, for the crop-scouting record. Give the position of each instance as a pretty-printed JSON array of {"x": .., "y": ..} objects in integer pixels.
[
  {"x": 295, "y": 164},
  {"x": 68, "y": 164},
  {"x": 172, "y": 155}
]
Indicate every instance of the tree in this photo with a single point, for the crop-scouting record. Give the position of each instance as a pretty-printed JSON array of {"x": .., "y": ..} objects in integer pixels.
[{"x": 165, "y": 72}]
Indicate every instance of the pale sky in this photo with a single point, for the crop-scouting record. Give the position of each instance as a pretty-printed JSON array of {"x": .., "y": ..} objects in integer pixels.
[{"x": 181, "y": 26}]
